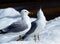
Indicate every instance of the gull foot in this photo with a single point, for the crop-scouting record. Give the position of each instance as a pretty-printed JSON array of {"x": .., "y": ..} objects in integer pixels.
[
  {"x": 36, "y": 37},
  {"x": 20, "y": 37}
]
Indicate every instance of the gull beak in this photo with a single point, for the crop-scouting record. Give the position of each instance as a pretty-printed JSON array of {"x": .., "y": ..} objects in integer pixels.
[{"x": 30, "y": 13}]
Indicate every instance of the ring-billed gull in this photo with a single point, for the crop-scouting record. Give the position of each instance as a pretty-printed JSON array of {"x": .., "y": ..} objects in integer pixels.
[
  {"x": 49, "y": 35},
  {"x": 38, "y": 25},
  {"x": 15, "y": 28},
  {"x": 23, "y": 25}
]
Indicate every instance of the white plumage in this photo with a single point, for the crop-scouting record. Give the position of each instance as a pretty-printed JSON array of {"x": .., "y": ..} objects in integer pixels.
[
  {"x": 25, "y": 20},
  {"x": 49, "y": 35},
  {"x": 40, "y": 22}
]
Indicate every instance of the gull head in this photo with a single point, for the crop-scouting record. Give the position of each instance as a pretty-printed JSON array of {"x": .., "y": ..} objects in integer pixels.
[
  {"x": 24, "y": 12},
  {"x": 40, "y": 15}
]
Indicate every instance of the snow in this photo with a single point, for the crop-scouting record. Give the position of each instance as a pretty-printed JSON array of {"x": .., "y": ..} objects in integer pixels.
[
  {"x": 8, "y": 12},
  {"x": 50, "y": 35},
  {"x": 21, "y": 42},
  {"x": 7, "y": 17},
  {"x": 33, "y": 19}
]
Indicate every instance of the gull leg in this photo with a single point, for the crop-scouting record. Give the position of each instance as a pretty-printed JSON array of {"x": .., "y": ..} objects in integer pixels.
[
  {"x": 34, "y": 37},
  {"x": 38, "y": 37},
  {"x": 20, "y": 37}
]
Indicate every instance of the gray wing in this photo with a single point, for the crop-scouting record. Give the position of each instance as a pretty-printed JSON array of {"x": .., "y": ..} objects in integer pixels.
[
  {"x": 17, "y": 26},
  {"x": 33, "y": 27}
]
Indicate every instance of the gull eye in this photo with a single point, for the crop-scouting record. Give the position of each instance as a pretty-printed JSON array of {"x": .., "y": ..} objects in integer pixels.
[{"x": 25, "y": 11}]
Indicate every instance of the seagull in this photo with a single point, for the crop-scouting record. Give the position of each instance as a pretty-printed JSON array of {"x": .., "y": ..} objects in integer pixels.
[
  {"x": 18, "y": 28},
  {"x": 37, "y": 26},
  {"x": 50, "y": 33},
  {"x": 23, "y": 25}
]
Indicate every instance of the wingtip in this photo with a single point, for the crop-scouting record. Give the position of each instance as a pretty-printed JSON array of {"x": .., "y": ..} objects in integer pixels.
[{"x": 40, "y": 9}]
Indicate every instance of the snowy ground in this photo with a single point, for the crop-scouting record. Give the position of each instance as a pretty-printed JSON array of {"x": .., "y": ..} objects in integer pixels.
[{"x": 50, "y": 35}]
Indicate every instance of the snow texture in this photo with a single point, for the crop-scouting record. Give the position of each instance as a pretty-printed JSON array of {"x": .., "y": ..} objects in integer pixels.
[
  {"x": 50, "y": 35},
  {"x": 7, "y": 17}
]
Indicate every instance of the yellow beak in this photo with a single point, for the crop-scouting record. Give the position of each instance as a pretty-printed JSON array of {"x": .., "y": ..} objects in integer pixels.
[{"x": 30, "y": 13}]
